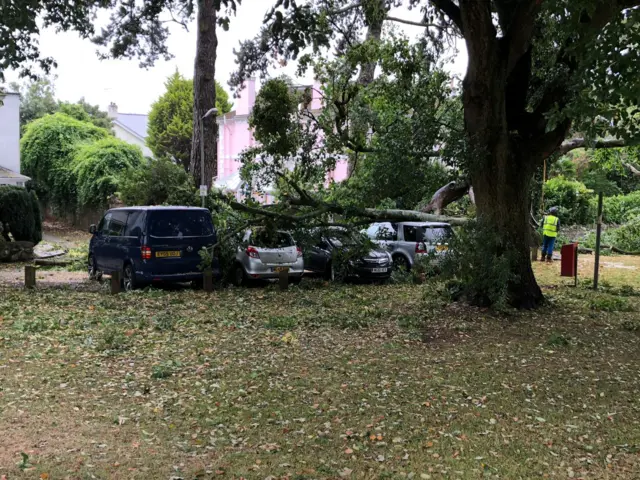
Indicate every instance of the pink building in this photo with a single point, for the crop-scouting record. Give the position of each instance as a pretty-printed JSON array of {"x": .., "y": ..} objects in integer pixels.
[{"x": 234, "y": 136}]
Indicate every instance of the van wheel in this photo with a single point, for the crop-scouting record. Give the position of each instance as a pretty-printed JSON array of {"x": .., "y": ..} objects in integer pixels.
[
  {"x": 94, "y": 273},
  {"x": 401, "y": 263},
  {"x": 239, "y": 278},
  {"x": 129, "y": 278}
]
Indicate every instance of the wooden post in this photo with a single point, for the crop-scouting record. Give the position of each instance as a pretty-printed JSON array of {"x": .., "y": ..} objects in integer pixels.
[
  {"x": 29, "y": 276},
  {"x": 596, "y": 267},
  {"x": 116, "y": 283},
  {"x": 534, "y": 254},
  {"x": 283, "y": 278},
  {"x": 207, "y": 281}
]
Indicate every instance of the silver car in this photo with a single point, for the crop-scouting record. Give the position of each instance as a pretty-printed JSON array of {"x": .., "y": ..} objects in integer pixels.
[
  {"x": 263, "y": 256},
  {"x": 407, "y": 241}
]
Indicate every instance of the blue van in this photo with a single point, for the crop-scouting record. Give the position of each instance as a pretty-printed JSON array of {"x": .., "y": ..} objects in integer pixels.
[{"x": 151, "y": 244}]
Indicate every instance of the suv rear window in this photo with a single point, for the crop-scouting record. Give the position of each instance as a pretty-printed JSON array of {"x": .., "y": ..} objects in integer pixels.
[
  {"x": 433, "y": 234},
  {"x": 180, "y": 223}
]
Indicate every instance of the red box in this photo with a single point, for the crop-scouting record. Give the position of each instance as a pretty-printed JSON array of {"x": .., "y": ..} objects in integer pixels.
[{"x": 569, "y": 260}]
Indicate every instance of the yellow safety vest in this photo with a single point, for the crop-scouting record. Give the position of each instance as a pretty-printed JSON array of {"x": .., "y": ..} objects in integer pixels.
[{"x": 550, "y": 226}]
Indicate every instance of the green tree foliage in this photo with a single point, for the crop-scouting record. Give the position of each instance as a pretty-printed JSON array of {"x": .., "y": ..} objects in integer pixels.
[
  {"x": 392, "y": 130},
  {"x": 171, "y": 119},
  {"x": 20, "y": 211},
  {"x": 573, "y": 199},
  {"x": 97, "y": 167},
  {"x": 37, "y": 99},
  {"x": 157, "y": 182},
  {"x": 85, "y": 112},
  {"x": 620, "y": 209},
  {"x": 47, "y": 149}
]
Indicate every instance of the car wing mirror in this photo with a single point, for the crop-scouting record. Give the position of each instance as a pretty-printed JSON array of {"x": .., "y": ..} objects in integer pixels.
[{"x": 93, "y": 229}]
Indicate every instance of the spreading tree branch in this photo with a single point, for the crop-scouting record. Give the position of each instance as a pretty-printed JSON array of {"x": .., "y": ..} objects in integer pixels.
[
  {"x": 520, "y": 31},
  {"x": 574, "y": 143},
  {"x": 451, "y": 10}
]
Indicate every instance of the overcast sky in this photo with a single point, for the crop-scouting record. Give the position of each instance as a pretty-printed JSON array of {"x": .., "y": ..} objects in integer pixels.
[{"x": 81, "y": 74}]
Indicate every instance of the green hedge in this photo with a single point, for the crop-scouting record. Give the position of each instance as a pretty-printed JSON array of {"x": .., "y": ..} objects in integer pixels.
[
  {"x": 20, "y": 210},
  {"x": 573, "y": 199},
  {"x": 97, "y": 167},
  {"x": 47, "y": 148},
  {"x": 620, "y": 209}
]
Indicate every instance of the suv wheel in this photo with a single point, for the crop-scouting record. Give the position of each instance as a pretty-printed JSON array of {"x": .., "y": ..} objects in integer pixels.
[
  {"x": 401, "y": 263},
  {"x": 128, "y": 278}
]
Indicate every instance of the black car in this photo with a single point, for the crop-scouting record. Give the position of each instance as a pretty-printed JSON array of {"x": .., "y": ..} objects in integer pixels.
[{"x": 322, "y": 258}]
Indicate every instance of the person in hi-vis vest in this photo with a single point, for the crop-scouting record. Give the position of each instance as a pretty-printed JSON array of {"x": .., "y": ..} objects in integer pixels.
[{"x": 550, "y": 227}]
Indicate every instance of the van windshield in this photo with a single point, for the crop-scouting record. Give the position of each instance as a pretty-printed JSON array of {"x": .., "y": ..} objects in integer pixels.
[{"x": 180, "y": 223}]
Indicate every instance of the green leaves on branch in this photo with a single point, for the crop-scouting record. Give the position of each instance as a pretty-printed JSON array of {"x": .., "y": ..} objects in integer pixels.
[
  {"x": 97, "y": 167},
  {"x": 47, "y": 148},
  {"x": 171, "y": 119}
]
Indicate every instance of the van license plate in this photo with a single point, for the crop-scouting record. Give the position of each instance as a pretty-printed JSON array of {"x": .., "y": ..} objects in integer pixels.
[
  {"x": 281, "y": 269},
  {"x": 379, "y": 270},
  {"x": 442, "y": 248},
  {"x": 168, "y": 253}
]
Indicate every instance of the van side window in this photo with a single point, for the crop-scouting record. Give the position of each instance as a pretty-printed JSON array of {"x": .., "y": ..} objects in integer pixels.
[
  {"x": 135, "y": 223},
  {"x": 103, "y": 228},
  {"x": 117, "y": 223}
]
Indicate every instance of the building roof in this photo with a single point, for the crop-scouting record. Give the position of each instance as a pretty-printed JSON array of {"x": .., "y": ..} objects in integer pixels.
[
  {"x": 6, "y": 173},
  {"x": 134, "y": 122}
]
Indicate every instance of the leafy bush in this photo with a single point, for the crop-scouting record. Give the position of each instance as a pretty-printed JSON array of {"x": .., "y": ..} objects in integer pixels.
[
  {"x": 47, "y": 148},
  {"x": 626, "y": 237},
  {"x": 475, "y": 269},
  {"x": 621, "y": 208},
  {"x": 610, "y": 303},
  {"x": 158, "y": 182},
  {"x": 572, "y": 198},
  {"x": 97, "y": 167},
  {"x": 20, "y": 211}
]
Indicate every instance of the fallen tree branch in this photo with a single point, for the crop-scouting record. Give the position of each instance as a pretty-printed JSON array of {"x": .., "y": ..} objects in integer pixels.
[
  {"x": 451, "y": 192},
  {"x": 322, "y": 208},
  {"x": 633, "y": 169}
]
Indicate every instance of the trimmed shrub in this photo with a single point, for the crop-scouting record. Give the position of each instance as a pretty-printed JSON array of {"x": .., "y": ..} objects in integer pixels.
[
  {"x": 97, "y": 167},
  {"x": 158, "y": 182},
  {"x": 572, "y": 198},
  {"x": 20, "y": 211},
  {"x": 47, "y": 148}
]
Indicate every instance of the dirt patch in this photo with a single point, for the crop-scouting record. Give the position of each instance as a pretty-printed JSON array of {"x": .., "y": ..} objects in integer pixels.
[{"x": 13, "y": 276}]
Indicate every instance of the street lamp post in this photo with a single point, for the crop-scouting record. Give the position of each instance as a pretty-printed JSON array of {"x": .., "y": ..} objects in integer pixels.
[{"x": 211, "y": 111}]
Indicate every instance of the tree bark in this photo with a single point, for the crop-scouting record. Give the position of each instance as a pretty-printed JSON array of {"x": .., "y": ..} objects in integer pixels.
[
  {"x": 204, "y": 95},
  {"x": 500, "y": 171}
]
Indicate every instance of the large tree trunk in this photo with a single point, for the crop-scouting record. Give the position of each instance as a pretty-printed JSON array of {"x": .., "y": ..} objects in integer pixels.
[
  {"x": 501, "y": 169},
  {"x": 204, "y": 95},
  {"x": 502, "y": 203}
]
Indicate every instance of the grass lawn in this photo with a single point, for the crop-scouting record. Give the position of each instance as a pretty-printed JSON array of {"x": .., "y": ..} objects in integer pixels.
[{"x": 322, "y": 381}]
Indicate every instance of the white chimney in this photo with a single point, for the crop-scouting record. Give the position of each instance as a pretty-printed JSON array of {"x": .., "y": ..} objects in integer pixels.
[{"x": 113, "y": 110}]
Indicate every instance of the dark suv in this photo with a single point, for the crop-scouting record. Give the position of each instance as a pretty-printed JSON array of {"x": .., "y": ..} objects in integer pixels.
[{"x": 151, "y": 244}]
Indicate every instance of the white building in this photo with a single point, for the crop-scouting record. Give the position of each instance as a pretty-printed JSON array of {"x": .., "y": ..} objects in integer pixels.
[
  {"x": 10, "y": 140},
  {"x": 130, "y": 127}
]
